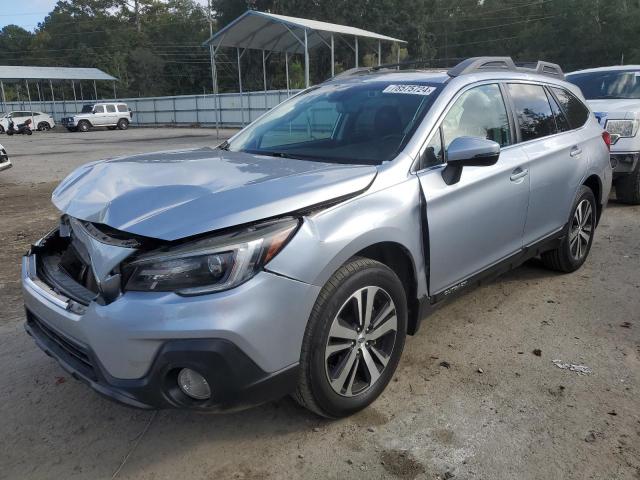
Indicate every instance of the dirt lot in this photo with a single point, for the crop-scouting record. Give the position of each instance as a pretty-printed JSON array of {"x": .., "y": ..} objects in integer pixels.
[{"x": 498, "y": 411}]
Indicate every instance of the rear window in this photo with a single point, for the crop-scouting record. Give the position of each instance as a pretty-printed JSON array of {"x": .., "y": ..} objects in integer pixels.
[
  {"x": 111, "y": 108},
  {"x": 576, "y": 111},
  {"x": 122, "y": 108},
  {"x": 534, "y": 115}
]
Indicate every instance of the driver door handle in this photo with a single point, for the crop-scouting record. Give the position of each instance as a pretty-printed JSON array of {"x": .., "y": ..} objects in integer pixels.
[
  {"x": 575, "y": 151},
  {"x": 518, "y": 174}
]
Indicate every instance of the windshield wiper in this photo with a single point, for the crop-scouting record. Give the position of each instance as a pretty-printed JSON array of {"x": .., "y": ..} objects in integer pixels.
[
  {"x": 278, "y": 154},
  {"x": 223, "y": 146}
]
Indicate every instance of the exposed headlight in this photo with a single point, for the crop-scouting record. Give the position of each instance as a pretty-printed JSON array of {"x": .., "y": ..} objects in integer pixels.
[
  {"x": 623, "y": 128},
  {"x": 211, "y": 264}
]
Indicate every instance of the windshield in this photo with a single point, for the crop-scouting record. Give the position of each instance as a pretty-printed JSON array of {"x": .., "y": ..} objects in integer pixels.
[
  {"x": 364, "y": 123},
  {"x": 608, "y": 84},
  {"x": 87, "y": 109}
]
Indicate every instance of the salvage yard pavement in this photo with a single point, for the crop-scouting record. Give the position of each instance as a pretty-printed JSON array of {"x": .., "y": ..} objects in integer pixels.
[{"x": 470, "y": 399}]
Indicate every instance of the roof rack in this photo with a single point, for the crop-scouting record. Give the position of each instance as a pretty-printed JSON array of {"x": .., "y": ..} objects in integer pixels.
[
  {"x": 479, "y": 64},
  {"x": 386, "y": 66}
]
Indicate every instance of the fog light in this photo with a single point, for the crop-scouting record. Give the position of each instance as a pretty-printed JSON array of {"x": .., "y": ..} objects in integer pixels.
[{"x": 193, "y": 384}]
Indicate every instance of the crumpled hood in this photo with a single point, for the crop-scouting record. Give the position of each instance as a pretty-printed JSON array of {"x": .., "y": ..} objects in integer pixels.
[
  {"x": 619, "y": 109},
  {"x": 177, "y": 194}
]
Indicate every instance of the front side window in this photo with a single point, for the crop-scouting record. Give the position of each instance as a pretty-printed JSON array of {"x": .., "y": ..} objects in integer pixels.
[
  {"x": 363, "y": 122},
  {"x": 478, "y": 112},
  {"x": 433, "y": 153},
  {"x": 533, "y": 111},
  {"x": 617, "y": 84},
  {"x": 577, "y": 113},
  {"x": 87, "y": 109},
  {"x": 98, "y": 109}
]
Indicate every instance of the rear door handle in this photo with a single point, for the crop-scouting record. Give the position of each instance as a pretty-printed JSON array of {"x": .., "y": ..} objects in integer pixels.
[
  {"x": 518, "y": 174},
  {"x": 575, "y": 151}
]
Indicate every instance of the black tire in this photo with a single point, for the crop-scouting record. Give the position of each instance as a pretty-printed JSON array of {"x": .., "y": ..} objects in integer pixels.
[
  {"x": 563, "y": 259},
  {"x": 1, "y": 129},
  {"x": 44, "y": 126},
  {"x": 83, "y": 126},
  {"x": 123, "y": 124},
  {"x": 314, "y": 390},
  {"x": 628, "y": 187},
  {"x": 28, "y": 131},
  {"x": 9, "y": 132}
]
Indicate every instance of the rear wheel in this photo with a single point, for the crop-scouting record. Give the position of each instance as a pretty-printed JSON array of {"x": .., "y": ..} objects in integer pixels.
[
  {"x": 123, "y": 124},
  {"x": 354, "y": 339},
  {"x": 83, "y": 126},
  {"x": 44, "y": 126},
  {"x": 576, "y": 244},
  {"x": 628, "y": 187}
]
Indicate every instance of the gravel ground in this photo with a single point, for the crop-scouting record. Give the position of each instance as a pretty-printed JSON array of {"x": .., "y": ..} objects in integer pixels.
[{"x": 496, "y": 410}]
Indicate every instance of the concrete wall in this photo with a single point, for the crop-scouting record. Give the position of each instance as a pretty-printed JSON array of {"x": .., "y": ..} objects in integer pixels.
[{"x": 231, "y": 109}]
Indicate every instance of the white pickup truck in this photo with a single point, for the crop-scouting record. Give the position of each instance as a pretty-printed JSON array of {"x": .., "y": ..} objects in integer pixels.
[{"x": 613, "y": 93}]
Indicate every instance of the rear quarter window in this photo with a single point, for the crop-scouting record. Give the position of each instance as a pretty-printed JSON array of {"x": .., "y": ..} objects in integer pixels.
[
  {"x": 122, "y": 108},
  {"x": 576, "y": 111}
]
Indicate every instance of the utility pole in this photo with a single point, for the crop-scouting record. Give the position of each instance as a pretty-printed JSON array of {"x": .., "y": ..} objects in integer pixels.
[
  {"x": 136, "y": 5},
  {"x": 209, "y": 18}
]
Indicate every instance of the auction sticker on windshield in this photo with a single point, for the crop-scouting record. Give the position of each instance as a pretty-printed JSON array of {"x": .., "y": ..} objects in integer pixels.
[{"x": 410, "y": 89}]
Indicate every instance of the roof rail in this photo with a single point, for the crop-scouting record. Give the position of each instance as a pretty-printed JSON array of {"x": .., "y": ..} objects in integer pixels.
[
  {"x": 476, "y": 64},
  {"x": 385, "y": 66}
]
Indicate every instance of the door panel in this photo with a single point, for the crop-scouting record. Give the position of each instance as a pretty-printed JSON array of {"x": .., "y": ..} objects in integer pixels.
[
  {"x": 557, "y": 165},
  {"x": 477, "y": 221}
]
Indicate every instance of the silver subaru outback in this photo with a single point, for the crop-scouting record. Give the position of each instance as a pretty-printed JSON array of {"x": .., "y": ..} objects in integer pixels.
[{"x": 296, "y": 257}]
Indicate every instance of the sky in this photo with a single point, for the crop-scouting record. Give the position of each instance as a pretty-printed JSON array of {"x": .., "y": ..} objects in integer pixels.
[{"x": 29, "y": 13}]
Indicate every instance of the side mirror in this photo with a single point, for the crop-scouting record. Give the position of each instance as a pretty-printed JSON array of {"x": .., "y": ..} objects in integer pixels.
[{"x": 469, "y": 152}]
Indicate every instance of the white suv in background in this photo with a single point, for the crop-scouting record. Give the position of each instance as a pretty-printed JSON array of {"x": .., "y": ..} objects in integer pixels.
[
  {"x": 613, "y": 93},
  {"x": 39, "y": 121},
  {"x": 104, "y": 114}
]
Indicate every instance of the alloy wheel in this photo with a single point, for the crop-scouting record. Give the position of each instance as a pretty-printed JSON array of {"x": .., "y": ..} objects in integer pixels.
[
  {"x": 360, "y": 342},
  {"x": 581, "y": 230}
]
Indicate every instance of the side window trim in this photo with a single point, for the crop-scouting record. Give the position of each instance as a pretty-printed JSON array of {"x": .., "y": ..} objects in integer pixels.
[
  {"x": 511, "y": 114},
  {"x": 552, "y": 98}
]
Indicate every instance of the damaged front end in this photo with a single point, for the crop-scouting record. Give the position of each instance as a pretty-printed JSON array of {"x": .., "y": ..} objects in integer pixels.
[{"x": 83, "y": 262}]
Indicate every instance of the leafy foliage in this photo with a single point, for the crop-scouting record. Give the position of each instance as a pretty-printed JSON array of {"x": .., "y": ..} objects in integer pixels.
[{"x": 155, "y": 46}]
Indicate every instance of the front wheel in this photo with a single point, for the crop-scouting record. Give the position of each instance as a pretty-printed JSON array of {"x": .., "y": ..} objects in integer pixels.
[
  {"x": 576, "y": 244},
  {"x": 44, "y": 126},
  {"x": 354, "y": 339},
  {"x": 84, "y": 126},
  {"x": 28, "y": 131}
]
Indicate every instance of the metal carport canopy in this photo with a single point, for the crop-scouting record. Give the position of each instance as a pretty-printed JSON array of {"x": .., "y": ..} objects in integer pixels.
[
  {"x": 289, "y": 35},
  {"x": 280, "y": 33},
  {"x": 9, "y": 72}
]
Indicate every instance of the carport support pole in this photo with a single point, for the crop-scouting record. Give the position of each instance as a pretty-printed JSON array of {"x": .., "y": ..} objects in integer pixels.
[
  {"x": 214, "y": 86},
  {"x": 240, "y": 86},
  {"x": 264, "y": 79},
  {"x": 356, "y": 49},
  {"x": 4, "y": 98},
  {"x": 306, "y": 59},
  {"x": 115, "y": 95},
  {"x": 333, "y": 63},
  {"x": 53, "y": 100},
  {"x": 398, "y": 55},
  {"x": 379, "y": 53},
  {"x": 26, "y": 82},
  {"x": 95, "y": 89},
  {"x": 75, "y": 100},
  {"x": 286, "y": 70}
]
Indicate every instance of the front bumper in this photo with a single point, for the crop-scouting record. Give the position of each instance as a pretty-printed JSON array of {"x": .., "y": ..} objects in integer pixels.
[
  {"x": 236, "y": 381},
  {"x": 246, "y": 341},
  {"x": 624, "y": 162},
  {"x": 69, "y": 122}
]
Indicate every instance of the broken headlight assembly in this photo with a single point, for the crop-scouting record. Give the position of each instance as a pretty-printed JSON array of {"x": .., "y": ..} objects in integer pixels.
[{"x": 210, "y": 264}]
